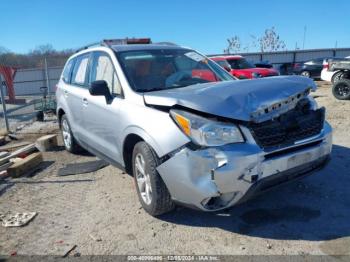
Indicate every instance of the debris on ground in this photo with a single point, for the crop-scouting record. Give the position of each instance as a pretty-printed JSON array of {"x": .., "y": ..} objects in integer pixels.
[
  {"x": 18, "y": 159},
  {"x": 19, "y": 152},
  {"x": 3, "y": 132},
  {"x": 2, "y": 140},
  {"x": 82, "y": 168},
  {"x": 14, "y": 146},
  {"x": 17, "y": 220},
  {"x": 3, "y": 174},
  {"x": 97, "y": 239},
  {"x": 68, "y": 251},
  {"x": 4, "y": 154},
  {"x": 5, "y": 166},
  {"x": 46, "y": 143},
  {"x": 12, "y": 136},
  {"x": 25, "y": 165},
  {"x": 20, "y": 127}
]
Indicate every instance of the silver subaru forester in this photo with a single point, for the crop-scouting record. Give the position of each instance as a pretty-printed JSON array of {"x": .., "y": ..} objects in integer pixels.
[{"x": 186, "y": 130}]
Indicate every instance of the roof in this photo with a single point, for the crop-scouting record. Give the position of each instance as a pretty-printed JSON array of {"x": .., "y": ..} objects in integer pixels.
[
  {"x": 139, "y": 47},
  {"x": 227, "y": 57}
]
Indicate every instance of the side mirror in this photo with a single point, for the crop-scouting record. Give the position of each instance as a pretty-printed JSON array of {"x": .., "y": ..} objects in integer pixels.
[{"x": 100, "y": 88}]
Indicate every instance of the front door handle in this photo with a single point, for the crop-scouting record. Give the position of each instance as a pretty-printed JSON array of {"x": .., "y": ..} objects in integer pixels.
[{"x": 65, "y": 93}]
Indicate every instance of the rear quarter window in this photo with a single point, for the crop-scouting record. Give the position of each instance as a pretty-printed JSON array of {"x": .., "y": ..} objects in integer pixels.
[
  {"x": 67, "y": 71},
  {"x": 80, "y": 71}
]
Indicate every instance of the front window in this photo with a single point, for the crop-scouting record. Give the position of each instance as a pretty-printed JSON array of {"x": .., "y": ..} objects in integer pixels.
[
  {"x": 103, "y": 69},
  {"x": 80, "y": 69},
  {"x": 151, "y": 70},
  {"x": 240, "y": 63}
]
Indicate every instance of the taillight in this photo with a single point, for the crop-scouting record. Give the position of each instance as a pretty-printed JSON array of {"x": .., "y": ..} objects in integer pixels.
[
  {"x": 326, "y": 66},
  {"x": 296, "y": 65}
]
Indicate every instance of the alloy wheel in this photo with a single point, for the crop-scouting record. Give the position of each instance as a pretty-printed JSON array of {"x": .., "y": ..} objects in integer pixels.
[
  {"x": 143, "y": 179},
  {"x": 343, "y": 90},
  {"x": 67, "y": 137}
]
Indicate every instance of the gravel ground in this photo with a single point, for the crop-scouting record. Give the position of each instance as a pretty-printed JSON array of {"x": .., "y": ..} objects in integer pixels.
[{"x": 99, "y": 212}]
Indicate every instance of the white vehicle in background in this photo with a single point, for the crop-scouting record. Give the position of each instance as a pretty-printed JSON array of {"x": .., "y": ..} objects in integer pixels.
[{"x": 331, "y": 76}]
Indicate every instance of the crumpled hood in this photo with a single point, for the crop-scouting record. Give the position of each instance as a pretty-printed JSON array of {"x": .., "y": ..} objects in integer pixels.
[{"x": 244, "y": 100}]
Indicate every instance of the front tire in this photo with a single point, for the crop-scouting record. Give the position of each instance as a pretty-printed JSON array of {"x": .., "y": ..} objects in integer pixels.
[
  {"x": 69, "y": 141},
  {"x": 151, "y": 190},
  {"x": 341, "y": 89}
]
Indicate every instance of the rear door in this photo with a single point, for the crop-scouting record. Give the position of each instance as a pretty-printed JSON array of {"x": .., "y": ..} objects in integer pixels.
[
  {"x": 101, "y": 119},
  {"x": 75, "y": 92}
]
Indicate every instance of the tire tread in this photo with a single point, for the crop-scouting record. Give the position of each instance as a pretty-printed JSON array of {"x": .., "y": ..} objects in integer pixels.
[
  {"x": 341, "y": 82},
  {"x": 162, "y": 197}
]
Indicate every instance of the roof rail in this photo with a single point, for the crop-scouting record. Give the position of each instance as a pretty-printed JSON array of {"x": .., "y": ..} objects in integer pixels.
[
  {"x": 87, "y": 46},
  {"x": 166, "y": 43},
  {"x": 123, "y": 41}
]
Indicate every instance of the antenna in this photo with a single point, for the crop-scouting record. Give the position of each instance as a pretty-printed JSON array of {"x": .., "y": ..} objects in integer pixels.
[{"x": 304, "y": 37}]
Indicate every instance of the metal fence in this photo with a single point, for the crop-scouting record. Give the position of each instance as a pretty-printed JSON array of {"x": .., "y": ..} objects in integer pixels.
[
  {"x": 29, "y": 81},
  {"x": 280, "y": 57},
  {"x": 27, "y": 86}
]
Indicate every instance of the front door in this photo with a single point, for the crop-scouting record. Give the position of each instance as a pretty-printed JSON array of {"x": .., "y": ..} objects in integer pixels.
[{"x": 101, "y": 119}]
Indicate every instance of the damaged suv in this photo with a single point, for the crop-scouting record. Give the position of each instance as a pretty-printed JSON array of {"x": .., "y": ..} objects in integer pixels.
[{"x": 187, "y": 131}]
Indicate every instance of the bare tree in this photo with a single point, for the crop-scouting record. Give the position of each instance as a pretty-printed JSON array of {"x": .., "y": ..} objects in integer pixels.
[
  {"x": 271, "y": 41},
  {"x": 43, "y": 50},
  {"x": 3, "y": 50},
  {"x": 234, "y": 45},
  {"x": 268, "y": 42},
  {"x": 35, "y": 58}
]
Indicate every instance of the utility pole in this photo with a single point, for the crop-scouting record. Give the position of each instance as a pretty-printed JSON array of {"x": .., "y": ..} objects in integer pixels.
[
  {"x": 4, "y": 105},
  {"x": 47, "y": 77},
  {"x": 304, "y": 37}
]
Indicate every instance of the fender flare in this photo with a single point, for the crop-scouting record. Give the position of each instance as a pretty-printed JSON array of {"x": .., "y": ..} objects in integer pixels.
[{"x": 145, "y": 136}]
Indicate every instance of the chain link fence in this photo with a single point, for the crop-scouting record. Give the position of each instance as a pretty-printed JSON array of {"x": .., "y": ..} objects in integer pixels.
[{"x": 30, "y": 86}]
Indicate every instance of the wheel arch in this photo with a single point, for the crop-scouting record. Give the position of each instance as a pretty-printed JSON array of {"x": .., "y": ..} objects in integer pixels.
[
  {"x": 131, "y": 138},
  {"x": 60, "y": 113}
]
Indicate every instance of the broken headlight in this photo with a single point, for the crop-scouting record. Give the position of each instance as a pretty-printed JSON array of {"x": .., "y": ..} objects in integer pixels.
[{"x": 206, "y": 132}]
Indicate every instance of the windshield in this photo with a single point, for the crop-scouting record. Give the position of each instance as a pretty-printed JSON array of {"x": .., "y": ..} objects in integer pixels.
[
  {"x": 240, "y": 63},
  {"x": 151, "y": 70}
]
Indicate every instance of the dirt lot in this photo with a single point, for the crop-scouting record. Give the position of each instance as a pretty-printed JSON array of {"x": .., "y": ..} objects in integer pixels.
[{"x": 100, "y": 213}]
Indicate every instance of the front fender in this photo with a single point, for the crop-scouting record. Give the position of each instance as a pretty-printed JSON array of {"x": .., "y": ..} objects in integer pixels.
[{"x": 145, "y": 136}]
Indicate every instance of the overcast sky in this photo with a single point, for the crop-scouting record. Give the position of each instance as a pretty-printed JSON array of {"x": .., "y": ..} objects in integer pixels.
[{"x": 203, "y": 24}]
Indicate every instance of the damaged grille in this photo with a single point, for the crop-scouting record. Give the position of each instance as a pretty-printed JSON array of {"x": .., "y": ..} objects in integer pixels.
[{"x": 297, "y": 124}]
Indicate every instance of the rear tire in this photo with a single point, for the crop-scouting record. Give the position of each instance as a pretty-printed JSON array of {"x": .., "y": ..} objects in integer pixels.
[
  {"x": 151, "y": 190},
  {"x": 341, "y": 89},
  {"x": 69, "y": 141}
]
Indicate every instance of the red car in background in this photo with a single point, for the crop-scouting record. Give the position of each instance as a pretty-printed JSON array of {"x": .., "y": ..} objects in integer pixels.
[{"x": 239, "y": 67}]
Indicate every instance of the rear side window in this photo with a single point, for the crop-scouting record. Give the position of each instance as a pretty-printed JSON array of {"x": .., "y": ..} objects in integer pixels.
[
  {"x": 80, "y": 69},
  {"x": 67, "y": 71}
]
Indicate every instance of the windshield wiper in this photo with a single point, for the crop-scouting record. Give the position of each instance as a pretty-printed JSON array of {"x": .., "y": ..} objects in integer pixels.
[{"x": 150, "y": 90}]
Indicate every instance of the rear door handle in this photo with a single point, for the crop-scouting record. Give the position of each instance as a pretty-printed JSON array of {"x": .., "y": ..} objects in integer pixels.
[{"x": 85, "y": 101}]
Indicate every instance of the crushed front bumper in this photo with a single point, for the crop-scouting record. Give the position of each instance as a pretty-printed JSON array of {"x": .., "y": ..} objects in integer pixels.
[{"x": 216, "y": 178}]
